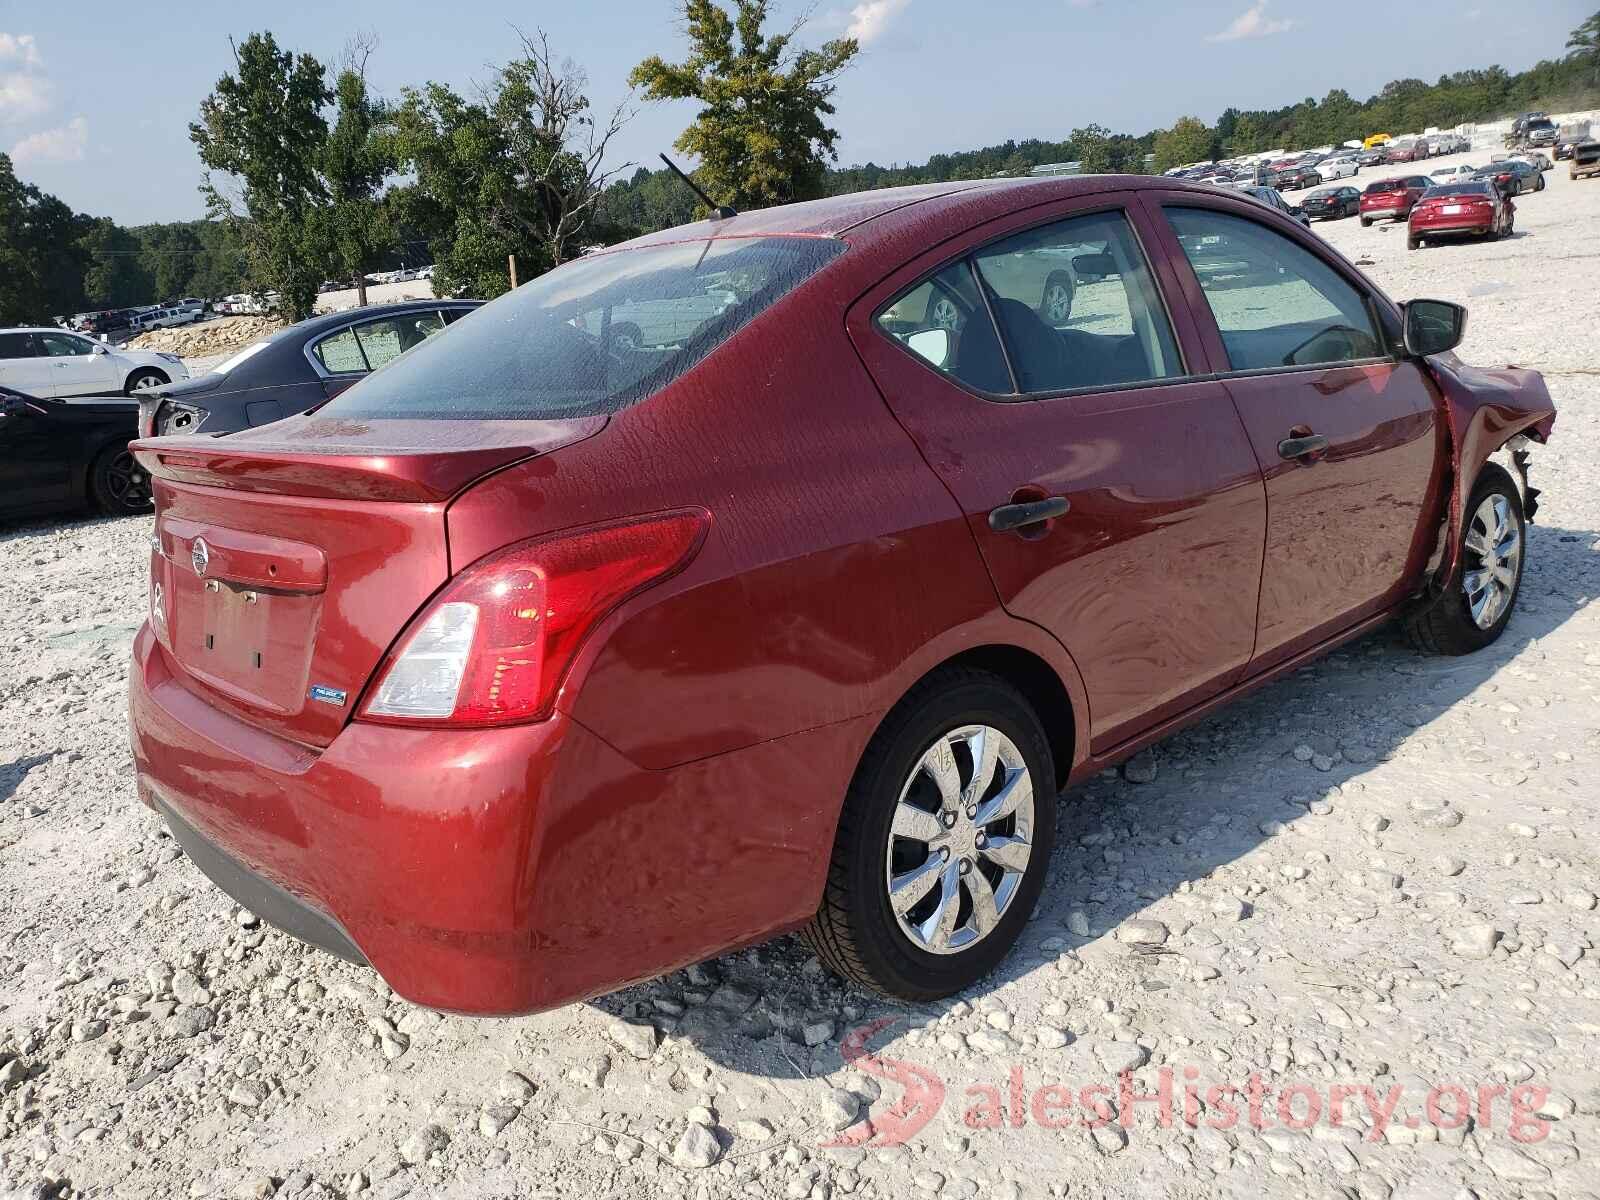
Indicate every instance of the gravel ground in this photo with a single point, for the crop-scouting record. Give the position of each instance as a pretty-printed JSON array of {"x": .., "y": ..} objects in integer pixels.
[{"x": 1378, "y": 873}]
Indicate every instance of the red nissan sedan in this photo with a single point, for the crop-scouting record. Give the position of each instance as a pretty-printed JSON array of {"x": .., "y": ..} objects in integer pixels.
[
  {"x": 777, "y": 572},
  {"x": 1473, "y": 208}
]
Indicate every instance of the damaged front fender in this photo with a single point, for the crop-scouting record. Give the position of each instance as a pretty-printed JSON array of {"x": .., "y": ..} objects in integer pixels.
[{"x": 1484, "y": 408}]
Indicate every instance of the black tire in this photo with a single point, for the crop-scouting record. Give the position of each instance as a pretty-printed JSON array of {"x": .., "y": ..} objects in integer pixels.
[
  {"x": 118, "y": 485},
  {"x": 1366, "y": 222},
  {"x": 1060, "y": 290},
  {"x": 1446, "y": 626},
  {"x": 1414, "y": 243},
  {"x": 144, "y": 377},
  {"x": 855, "y": 932},
  {"x": 1540, "y": 186}
]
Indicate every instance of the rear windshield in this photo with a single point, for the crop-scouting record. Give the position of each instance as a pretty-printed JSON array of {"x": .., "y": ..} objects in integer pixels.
[
  {"x": 1386, "y": 185},
  {"x": 1458, "y": 189},
  {"x": 590, "y": 337}
]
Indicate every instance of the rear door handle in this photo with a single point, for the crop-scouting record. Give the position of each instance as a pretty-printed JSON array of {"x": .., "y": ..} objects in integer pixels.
[
  {"x": 1303, "y": 447},
  {"x": 1010, "y": 517}
]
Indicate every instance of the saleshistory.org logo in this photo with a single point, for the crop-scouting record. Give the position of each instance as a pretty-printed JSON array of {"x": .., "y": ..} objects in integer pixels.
[{"x": 1180, "y": 1096}]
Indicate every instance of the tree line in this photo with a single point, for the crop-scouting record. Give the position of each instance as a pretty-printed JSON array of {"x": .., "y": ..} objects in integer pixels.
[{"x": 309, "y": 176}]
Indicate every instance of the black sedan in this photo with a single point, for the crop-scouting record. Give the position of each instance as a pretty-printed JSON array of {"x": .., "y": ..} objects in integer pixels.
[
  {"x": 1331, "y": 203},
  {"x": 295, "y": 369},
  {"x": 1273, "y": 198},
  {"x": 65, "y": 454}
]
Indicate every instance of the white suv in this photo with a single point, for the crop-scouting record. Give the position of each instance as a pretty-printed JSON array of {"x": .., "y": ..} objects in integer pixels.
[{"x": 56, "y": 362}]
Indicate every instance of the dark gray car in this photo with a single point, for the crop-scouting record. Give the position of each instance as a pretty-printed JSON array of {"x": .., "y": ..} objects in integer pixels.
[{"x": 295, "y": 369}]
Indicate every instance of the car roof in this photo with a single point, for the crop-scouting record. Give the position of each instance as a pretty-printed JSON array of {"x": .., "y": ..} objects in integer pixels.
[
  {"x": 41, "y": 329},
  {"x": 313, "y": 325},
  {"x": 869, "y": 217}
]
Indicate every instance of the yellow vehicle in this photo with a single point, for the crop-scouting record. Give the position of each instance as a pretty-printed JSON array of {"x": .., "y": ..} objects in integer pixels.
[{"x": 1377, "y": 139}]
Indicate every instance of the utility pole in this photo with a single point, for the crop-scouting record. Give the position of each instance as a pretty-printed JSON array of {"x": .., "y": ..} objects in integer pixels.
[{"x": 512, "y": 261}]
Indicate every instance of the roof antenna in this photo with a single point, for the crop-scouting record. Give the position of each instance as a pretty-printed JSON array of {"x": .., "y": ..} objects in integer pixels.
[{"x": 719, "y": 212}]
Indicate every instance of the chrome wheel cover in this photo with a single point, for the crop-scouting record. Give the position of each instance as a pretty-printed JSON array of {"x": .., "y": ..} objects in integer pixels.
[
  {"x": 960, "y": 840},
  {"x": 1493, "y": 561}
]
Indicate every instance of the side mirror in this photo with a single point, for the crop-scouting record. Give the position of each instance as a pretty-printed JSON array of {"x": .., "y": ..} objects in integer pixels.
[
  {"x": 1433, "y": 327},
  {"x": 101, "y": 348},
  {"x": 11, "y": 406},
  {"x": 932, "y": 345},
  {"x": 1099, "y": 266}
]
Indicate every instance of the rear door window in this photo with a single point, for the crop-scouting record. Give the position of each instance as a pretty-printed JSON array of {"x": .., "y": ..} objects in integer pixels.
[
  {"x": 341, "y": 353},
  {"x": 1076, "y": 306},
  {"x": 16, "y": 345},
  {"x": 944, "y": 321},
  {"x": 1276, "y": 304},
  {"x": 592, "y": 336}
]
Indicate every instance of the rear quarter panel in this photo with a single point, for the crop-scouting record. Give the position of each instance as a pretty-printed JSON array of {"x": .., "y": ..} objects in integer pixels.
[{"x": 836, "y": 571}]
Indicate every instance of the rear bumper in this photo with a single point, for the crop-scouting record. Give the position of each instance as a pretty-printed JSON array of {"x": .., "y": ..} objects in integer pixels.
[
  {"x": 1448, "y": 226},
  {"x": 492, "y": 872}
]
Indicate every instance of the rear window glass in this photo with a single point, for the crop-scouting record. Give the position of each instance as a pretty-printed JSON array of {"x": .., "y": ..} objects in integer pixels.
[
  {"x": 1386, "y": 185},
  {"x": 592, "y": 336},
  {"x": 1458, "y": 189}
]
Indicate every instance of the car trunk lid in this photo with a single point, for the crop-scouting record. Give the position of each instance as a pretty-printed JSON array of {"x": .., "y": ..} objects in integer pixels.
[{"x": 284, "y": 566}]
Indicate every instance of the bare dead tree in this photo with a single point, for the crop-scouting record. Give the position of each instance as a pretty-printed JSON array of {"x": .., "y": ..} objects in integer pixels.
[{"x": 560, "y": 145}]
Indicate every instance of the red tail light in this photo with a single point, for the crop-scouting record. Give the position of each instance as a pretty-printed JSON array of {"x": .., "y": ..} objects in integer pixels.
[{"x": 494, "y": 646}]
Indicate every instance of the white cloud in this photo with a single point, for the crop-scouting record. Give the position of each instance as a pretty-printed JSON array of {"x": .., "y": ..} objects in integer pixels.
[
  {"x": 869, "y": 20},
  {"x": 19, "y": 47},
  {"x": 1252, "y": 23},
  {"x": 65, "y": 144},
  {"x": 22, "y": 96}
]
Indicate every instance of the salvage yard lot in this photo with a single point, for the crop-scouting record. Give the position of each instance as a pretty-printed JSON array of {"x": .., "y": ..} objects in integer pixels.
[{"x": 1380, "y": 872}]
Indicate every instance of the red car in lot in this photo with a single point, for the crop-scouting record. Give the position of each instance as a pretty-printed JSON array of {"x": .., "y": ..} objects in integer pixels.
[
  {"x": 1472, "y": 208},
  {"x": 543, "y": 661},
  {"x": 1392, "y": 199}
]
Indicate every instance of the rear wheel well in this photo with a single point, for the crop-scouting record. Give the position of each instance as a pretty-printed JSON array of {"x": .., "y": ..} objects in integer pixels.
[{"x": 1042, "y": 688}]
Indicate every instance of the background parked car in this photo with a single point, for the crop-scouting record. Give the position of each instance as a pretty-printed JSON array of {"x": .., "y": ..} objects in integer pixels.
[
  {"x": 1342, "y": 166},
  {"x": 295, "y": 369},
  {"x": 1472, "y": 208},
  {"x": 1273, "y": 198},
  {"x": 63, "y": 454},
  {"x": 57, "y": 362},
  {"x": 1568, "y": 137},
  {"x": 1331, "y": 203},
  {"x": 1513, "y": 176},
  {"x": 1392, "y": 198}
]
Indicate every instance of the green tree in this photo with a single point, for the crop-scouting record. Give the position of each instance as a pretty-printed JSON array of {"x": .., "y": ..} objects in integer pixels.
[
  {"x": 42, "y": 259},
  {"x": 358, "y": 157},
  {"x": 761, "y": 134},
  {"x": 1094, "y": 149},
  {"x": 264, "y": 129},
  {"x": 115, "y": 275},
  {"x": 1584, "y": 47},
  {"x": 1188, "y": 141}
]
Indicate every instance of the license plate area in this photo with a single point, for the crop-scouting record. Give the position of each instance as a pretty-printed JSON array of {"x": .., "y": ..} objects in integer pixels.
[
  {"x": 250, "y": 644},
  {"x": 1451, "y": 210}
]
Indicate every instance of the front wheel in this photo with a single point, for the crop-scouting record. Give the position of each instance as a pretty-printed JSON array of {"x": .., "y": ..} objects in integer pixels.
[
  {"x": 143, "y": 380},
  {"x": 1413, "y": 243},
  {"x": 943, "y": 842},
  {"x": 1366, "y": 222},
  {"x": 1475, "y": 611}
]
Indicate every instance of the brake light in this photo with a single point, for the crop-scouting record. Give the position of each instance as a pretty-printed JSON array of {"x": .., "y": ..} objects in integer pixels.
[{"x": 494, "y": 646}]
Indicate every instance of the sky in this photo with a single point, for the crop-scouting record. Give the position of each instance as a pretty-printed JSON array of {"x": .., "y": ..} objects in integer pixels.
[{"x": 96, "y": 98}]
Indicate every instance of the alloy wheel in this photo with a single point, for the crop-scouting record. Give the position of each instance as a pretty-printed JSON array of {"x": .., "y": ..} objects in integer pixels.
[
  {"x": 945, "y": 314},
  {"x": 1494, "y": 558},
  {"x": 1057, "y": 303},
  {"x": 960, "y": 840},
  {"x": 127, "y": 482}
]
